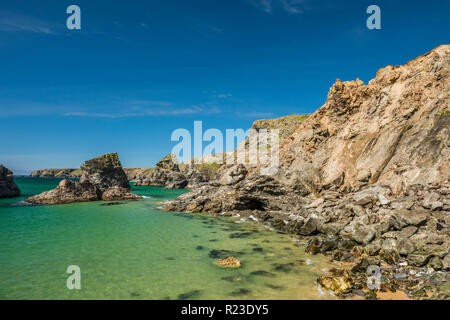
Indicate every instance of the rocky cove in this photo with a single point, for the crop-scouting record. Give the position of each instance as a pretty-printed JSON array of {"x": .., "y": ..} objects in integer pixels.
[{"x": 364, "y": 181}]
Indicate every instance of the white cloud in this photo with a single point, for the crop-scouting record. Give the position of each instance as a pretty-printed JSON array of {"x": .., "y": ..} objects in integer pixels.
[
  {"x": 148, "y": 113},
  {"x": 12, "y": 22},
  {"x": 294, "y": 6},
  {"x": 264, "y": 5},
  {"x": 290, "y": 6}
]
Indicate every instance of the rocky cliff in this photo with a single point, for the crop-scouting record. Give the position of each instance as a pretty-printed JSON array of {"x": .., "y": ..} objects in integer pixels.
[
  {"x": 8, "y": 188},
  {"x": 364, "y": 179},
  {"x": 102, "y": 179},
  {"x": 171, "y": 175}
]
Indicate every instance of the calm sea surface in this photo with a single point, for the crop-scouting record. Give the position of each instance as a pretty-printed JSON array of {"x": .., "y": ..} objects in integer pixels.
[{"x": 135, "y": 251}]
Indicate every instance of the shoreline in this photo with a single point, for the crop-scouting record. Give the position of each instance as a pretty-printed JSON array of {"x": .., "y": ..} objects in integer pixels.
[{"x": 349, "y": 279}]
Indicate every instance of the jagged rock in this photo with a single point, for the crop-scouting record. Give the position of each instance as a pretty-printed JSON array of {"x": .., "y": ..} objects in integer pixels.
[
  {"x": 104, "y": 172},
  {"x": 8, "y": 188},
  {"x": 171, "y": 175},
  {"x": 102, "y": 178},
  {"x": 118, "y": 193},
  {"x": 179, "y": 184},
  {"x": 67, "y": 191}
]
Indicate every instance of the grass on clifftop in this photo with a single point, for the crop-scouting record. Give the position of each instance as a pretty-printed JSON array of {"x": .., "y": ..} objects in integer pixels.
[{"x": 286, "y": 124}]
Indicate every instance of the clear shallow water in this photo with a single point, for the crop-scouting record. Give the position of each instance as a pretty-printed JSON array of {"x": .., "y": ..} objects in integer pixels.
[{"x": 135, "y": 251}]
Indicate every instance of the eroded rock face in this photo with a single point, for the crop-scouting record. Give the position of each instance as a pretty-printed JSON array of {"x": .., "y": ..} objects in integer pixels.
[
  {"x": 393, "y": 131},
  {"x": 364, "y": 176},
  {"x": 105, "y": 172},
  {"x": 102, "y": 179},
  {"x": 8, "y": 188},
  {"x": 67, "y": 191},
  {"x": 166, "y": 172},
  {"x": 369, "y": 139}
]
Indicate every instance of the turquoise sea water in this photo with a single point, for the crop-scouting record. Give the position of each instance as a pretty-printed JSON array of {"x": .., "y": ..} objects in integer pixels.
[{"x": 135, "y": 251}]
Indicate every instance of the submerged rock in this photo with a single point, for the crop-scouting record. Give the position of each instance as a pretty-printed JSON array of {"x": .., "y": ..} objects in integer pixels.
[
  {"x": 263, "y": 273},
  {"x": 8, "y": 188},
  {"x": 229, "y": 262},
  {"x": 189, "y": 295},
  {"x": 241, "y": 292},
  {"x": 232, "y": 278},
  {"x": 340, "y": 283}
]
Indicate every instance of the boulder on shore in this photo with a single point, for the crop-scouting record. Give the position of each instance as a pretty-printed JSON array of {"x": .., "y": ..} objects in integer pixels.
[
  {"x": 8, "y": 188},
  {"x": 102, "y": 179}
]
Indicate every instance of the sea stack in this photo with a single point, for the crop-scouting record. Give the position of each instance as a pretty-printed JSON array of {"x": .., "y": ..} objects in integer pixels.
[
  {"x": 8, "y": 188},
  {"x": 102, "y": 178},
  {"x": 105, "y": 172}
]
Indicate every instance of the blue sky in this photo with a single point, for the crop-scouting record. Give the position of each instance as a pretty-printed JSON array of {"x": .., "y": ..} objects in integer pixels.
[{"x": 137, "y": 70}]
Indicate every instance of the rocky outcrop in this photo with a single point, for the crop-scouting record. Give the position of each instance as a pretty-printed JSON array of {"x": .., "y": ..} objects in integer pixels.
[
  {"x": 105, "y": 172},
  {"x": 118, "y": 193},
  {"x": 194, "y": 173},
  {"x": 102, "y": 179},
  {"x": 364, "y": 177},
  {"x": 171, "y": 175},
  {"x": 68, "y": 191},
  {"x": 393, "y": 131},
  {"x": 132, "y": 173},
  {"x": 165, "y": 172},
  {"x": 8, "y": 188},
  {"x": 56, "y": 173}
]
